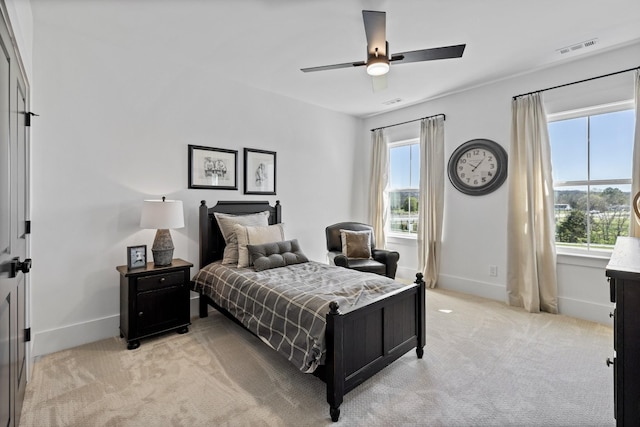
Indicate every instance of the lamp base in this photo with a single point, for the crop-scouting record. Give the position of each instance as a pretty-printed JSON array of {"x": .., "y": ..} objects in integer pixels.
[{"x": 162, "y": 248}]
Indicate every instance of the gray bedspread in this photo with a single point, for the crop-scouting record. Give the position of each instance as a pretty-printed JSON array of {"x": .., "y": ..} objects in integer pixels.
[{"x": 286, "y": 306}]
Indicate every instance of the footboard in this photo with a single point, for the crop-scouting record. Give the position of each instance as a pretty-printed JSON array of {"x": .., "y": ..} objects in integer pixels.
[{"x": 362, "y": 342}]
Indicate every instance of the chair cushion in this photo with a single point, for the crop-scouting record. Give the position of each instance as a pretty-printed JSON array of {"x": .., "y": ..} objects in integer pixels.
[{"x": 368, "y": 265}]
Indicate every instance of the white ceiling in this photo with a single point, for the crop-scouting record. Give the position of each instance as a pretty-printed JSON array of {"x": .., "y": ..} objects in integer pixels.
[{"x": 264, "y": 43}]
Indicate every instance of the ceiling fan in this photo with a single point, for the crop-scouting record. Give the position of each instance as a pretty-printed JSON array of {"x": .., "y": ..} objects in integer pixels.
[{"x": 378, "y": 56}]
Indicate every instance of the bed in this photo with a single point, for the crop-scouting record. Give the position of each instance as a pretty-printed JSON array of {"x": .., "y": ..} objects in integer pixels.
[{"x": 350, "y": 336}]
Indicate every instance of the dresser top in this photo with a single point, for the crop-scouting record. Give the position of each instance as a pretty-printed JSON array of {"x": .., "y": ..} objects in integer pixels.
[{"x": 625, "y": 259}]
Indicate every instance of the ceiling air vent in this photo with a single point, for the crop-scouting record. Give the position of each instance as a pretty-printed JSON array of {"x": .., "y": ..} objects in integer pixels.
[
  {"x": 577, "y": 46},
  {"x": 392, "y": 101}
]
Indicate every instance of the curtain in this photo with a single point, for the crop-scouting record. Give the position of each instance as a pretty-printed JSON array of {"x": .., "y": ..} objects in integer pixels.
[
  {"x": 431, "y": 200},
  {"x": 378, "y": 198},
  {"x": 531, "y": 251},
  {"x": 634, "y": 224}
]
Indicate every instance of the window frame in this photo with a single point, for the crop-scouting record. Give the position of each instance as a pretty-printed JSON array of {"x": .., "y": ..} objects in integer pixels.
[
  {"x": 579, "y": 113},
  {"x": 389, "y": 232}
]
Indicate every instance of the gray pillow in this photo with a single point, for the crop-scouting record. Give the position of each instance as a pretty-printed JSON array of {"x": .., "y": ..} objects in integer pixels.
[
  {"x": 226, "y": 223},
  {"x": 276, "y": 254}
]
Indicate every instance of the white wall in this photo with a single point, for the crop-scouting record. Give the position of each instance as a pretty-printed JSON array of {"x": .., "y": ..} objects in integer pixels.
[
  {"x": 113, "y": 130},
  {"x": 474, "y": 235}
]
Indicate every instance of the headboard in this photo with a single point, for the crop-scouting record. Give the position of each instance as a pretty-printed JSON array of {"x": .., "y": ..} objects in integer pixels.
[{"x": 211, "y": 240}]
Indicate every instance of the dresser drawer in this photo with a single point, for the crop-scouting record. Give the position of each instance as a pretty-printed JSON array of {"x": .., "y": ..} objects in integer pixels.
[{"x": 159, "y": 281}]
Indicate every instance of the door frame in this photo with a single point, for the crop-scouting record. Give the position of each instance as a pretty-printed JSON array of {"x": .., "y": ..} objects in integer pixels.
[{"x": 21, "y": 70}]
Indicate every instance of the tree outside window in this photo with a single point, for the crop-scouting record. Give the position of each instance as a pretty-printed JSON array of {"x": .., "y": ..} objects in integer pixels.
[
  {"x": 591, "y": 158},
  {"x": 404, "y": 179}
]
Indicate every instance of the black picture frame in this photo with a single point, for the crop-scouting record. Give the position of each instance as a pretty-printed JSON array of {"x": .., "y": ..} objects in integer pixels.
[
  {"x": 213, "y": 168},
  {"x": 136, "y": 257},
  {"x": 259, "y": 171}
]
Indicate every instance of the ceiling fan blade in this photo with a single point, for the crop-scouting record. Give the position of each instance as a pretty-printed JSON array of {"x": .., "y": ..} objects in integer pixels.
[
  {"x": 375, "y": 24},
  {"x": 444, "y": 52},
  {"x": 379, "y": 82},
  {"x": 333, "y": 67}
]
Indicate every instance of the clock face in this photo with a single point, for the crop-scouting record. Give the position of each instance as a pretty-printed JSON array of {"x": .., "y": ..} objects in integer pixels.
[{"x": 478, "y": 167}]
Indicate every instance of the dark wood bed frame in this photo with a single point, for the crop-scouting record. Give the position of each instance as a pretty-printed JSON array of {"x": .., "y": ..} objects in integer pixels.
[{"x": 359, "y": 343}]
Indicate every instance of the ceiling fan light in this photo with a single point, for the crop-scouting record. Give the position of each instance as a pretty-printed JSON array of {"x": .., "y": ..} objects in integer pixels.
[{"x": 378, "y": 66}]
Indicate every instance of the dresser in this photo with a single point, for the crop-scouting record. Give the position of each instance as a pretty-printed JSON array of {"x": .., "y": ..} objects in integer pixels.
[
  {"x": 623, "y": 272},
  {"x": 154, "y": 300}
]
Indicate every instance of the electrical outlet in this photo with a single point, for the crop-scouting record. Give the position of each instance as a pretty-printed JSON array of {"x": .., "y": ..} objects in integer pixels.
[{"x": 493, "y": 270}]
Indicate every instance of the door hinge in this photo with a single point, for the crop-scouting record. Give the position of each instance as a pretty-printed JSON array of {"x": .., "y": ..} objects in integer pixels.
[
  {"x": 27, "y": 117},
  {"x": 27, "y": 335},
  {"x": 27, "y": 227}
]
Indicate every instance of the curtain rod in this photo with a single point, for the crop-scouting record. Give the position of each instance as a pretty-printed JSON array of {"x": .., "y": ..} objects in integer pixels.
[
  {"x": 579, "y": 81},
  {"x": 409, "y": 121}
]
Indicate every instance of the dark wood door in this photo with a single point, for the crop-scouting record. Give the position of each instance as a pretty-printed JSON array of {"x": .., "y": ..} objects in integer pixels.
[{"x": 14, "y": 185}]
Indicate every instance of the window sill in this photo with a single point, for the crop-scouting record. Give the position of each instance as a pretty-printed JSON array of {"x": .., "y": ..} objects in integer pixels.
[
  {"x": 401, "y": 237},
  {"x": 595, "y": 259}
]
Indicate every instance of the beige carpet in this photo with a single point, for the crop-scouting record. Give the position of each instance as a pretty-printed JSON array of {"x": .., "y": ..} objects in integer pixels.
[{"x": 485, "y": 364}]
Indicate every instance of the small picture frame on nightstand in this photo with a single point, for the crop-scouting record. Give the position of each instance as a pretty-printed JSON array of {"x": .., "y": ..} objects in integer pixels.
[{"x": 136, "y": 256}]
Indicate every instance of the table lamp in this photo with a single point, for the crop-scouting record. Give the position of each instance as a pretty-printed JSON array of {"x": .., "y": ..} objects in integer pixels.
[{"x": 162, "y": 215}]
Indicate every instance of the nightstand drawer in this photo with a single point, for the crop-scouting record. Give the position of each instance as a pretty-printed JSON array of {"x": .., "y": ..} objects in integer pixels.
[{"x": 159, "y": 281}]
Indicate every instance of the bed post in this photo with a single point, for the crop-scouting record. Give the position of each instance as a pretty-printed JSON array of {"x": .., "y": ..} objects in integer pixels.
[
  {"x": 278, "y": 212},
  {"x": 421, "y": 315},
  {"x": 203, "y": 307},
  {"x": 205, "y": 237},
  {"x": 205, "y": 241},
  {"x": 335, "y": 360}
]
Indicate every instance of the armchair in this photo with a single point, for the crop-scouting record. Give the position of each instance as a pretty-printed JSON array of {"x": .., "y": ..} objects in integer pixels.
[{"x": 381, "y": 262}]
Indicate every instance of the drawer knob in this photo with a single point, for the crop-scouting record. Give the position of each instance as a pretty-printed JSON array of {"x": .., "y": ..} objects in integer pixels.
[
  {"x": 162, "y": 279},
  {"x": 610, "y": 362},
  {"x": 140, "y": 314}
]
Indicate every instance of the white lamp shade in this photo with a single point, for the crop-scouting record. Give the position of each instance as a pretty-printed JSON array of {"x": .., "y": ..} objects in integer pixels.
[{"x": 162, "y": 214}]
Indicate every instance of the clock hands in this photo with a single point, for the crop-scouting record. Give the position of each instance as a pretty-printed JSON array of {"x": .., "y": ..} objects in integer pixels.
[{"x": 476, "y": 166}]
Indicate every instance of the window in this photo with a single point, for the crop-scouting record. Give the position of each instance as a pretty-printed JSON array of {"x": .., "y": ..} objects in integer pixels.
[
  {"x": 591, "y": 155},
  {"x": 404, "y": 184}
]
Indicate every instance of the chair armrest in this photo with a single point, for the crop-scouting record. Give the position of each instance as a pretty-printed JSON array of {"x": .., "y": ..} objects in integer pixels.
[
  {"x": 338, "y": 258},
  {"x": 388, "y": 258},
  {"x": 384, "y": 256}
]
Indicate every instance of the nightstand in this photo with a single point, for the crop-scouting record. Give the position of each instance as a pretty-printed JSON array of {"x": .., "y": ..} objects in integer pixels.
[{"x": 154, "y": 300}]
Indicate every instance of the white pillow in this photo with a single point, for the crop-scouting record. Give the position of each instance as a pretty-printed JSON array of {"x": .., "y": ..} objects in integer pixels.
[
  {"x": 226, "y": 223},
  {"x": 250, "y": 235}
]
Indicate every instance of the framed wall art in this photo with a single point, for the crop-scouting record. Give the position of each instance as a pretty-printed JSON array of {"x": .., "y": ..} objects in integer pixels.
[
  {"x": 259, "y": 171},
  {"x": 136, "y": 256},
  {"x": 213, "y": 168}
]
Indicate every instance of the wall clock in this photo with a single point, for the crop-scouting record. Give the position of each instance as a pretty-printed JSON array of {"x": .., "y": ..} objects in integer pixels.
[{"x": 478, "y": 167}]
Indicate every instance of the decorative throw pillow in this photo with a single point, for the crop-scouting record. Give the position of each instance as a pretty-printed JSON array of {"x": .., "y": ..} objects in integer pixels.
[
  {"x": 226, "y": 223},
  {"x": 276, "y": 254},
  {"x": 356, "y": 244},
  {"x": 250, "y": 235}
]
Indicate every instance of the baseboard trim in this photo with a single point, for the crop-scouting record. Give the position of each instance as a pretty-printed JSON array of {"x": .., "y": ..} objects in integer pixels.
[
  {"x": 580, "y": 309},
  {"x": 52, "y": 340},
  {"x": 586, "y": 310},
  {"x": 473, "y": 287}
]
